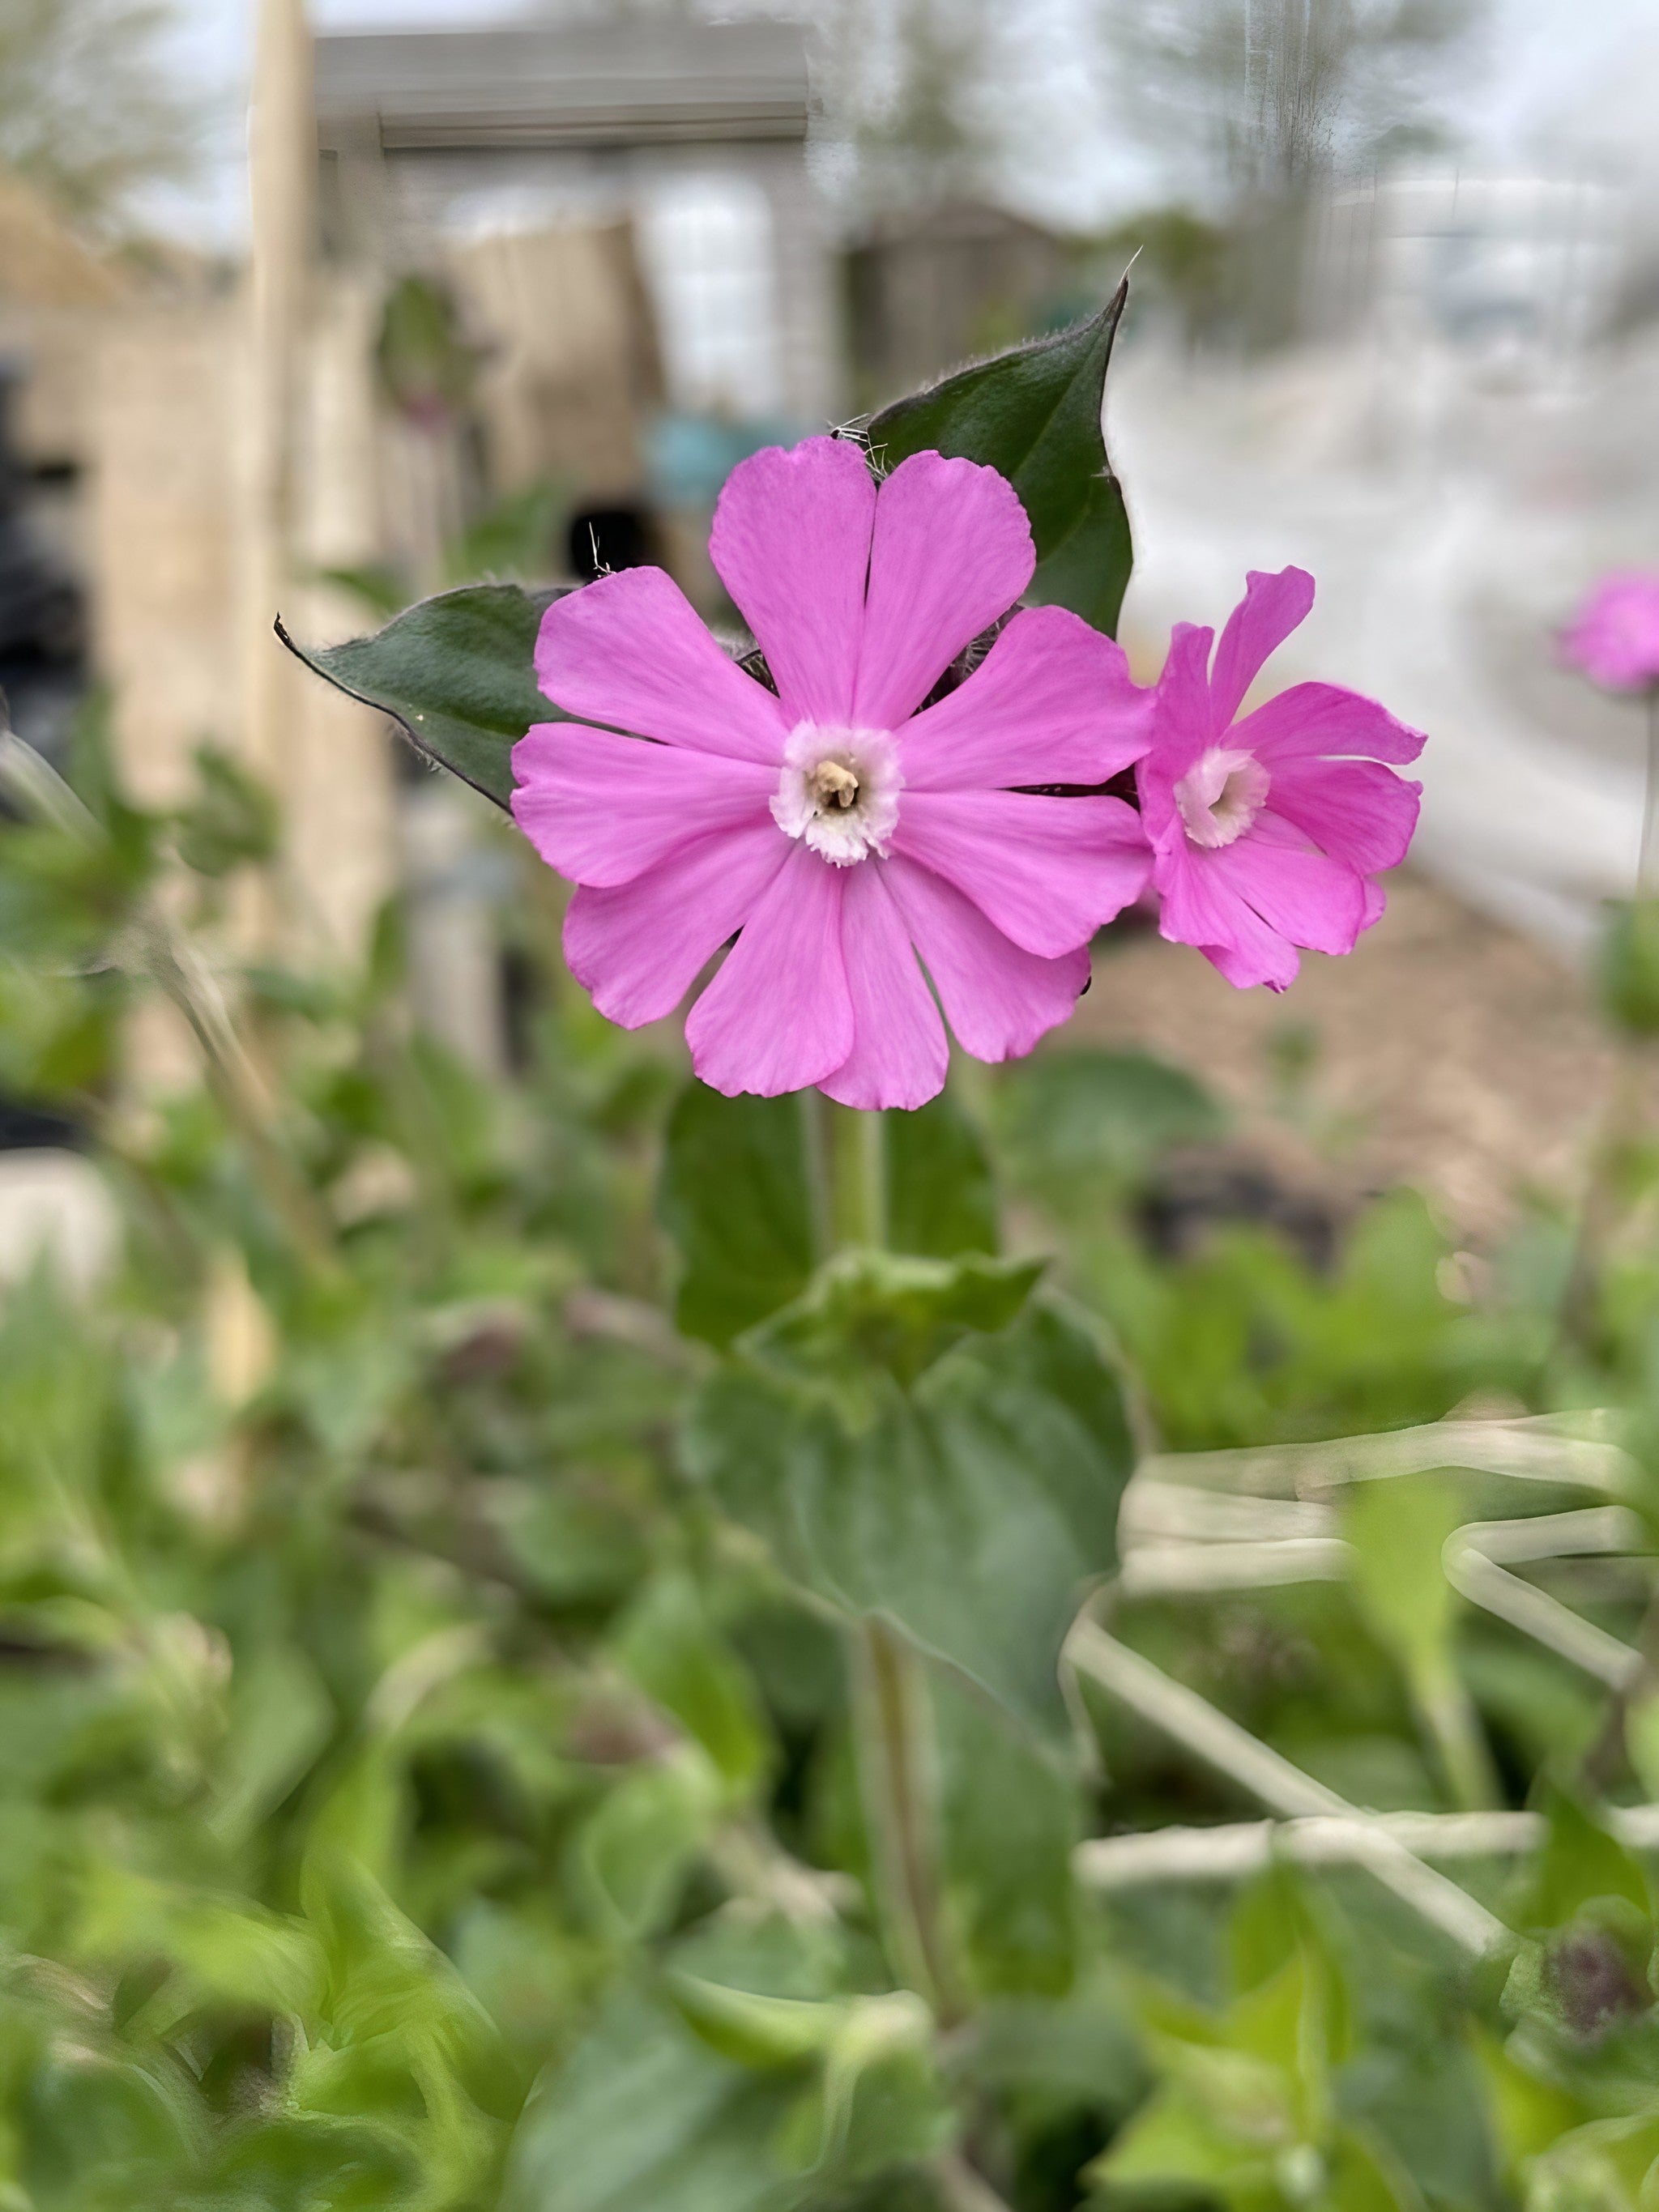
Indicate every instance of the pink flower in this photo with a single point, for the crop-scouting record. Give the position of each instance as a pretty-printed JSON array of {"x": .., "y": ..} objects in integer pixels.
[
  {"x": 1615, "y": 637},
  {"x": 842, "y": 829},
  {"x": 1266, "y": 832}
]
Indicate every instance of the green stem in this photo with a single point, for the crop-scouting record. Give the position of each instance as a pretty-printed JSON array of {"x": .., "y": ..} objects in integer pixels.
[
  {"x": 1647, "y": 865},
  {"x": 820, "y": 1182},
  {"x": 859, "y": 1183},
  {"x": 848, "y": 1173},
  {"x": 1623, "y": 1114},
  {"x": 890, "y": 1717},
  {"x": 1455, "y": 1725}
]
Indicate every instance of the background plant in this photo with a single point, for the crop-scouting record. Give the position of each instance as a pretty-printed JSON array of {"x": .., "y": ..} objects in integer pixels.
[{"x": 531, "y": 1616}]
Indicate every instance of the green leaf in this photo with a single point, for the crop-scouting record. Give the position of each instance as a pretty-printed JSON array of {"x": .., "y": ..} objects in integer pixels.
[
  {"x": 1580, "y": 1866},
  {"x": 735, "y": 1199},
  {"x": 456, "y": 672},
  {"x": 1081, "y": 1112},
  {"x": 868, "y": 1314},
  {"x": 280, "y": 1718},
  {"x": 1009, "y": 1818},
  {"x": 879, "y": 2103},
  {"x": 230, "y": 817},
  {"x": 645, "y": 2113},
  {"x": 751, "y": 2027},
  {"x": 972, "y": 1511},
  {"x": 1398, "y": 1529},
  {"x": 1034, "y": 416},
  {"x": 637, "y": 1850},
  {"x": 674, "y": 1652},
  {"x": 941, "y": 1199}
]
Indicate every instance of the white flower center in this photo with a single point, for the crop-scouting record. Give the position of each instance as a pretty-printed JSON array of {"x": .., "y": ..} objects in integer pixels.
[
  {"x": 1220, "y": 795},
  {"x": 838, "y": 790}
]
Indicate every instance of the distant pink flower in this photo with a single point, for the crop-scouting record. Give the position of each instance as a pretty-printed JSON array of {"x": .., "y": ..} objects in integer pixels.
[
  {"x": 1615, "y": 637},
  {"x": 843, "y": 830},
  {"x": 1266, "y": 832}
]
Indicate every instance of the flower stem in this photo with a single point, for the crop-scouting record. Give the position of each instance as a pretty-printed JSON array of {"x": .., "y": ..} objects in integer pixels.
[
  {"x": 1622, "y": 1114},
  {"x": 1647, "y": 865},
  {"x": 859, "y": 1183},
  {"x": 890, "y": 1720}
]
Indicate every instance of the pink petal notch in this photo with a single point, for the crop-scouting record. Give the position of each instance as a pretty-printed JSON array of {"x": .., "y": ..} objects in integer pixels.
[
  {"x": 791, "y": 543},
  {"x": 951, "y": 550},
  {"x": 1053, "y": 701},
  {"x": 860, "y": 865},
  {"x": 1272, "y": 607}
]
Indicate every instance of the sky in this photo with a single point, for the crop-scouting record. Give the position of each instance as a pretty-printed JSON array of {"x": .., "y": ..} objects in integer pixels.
[{"x": 1574, "y": 80}]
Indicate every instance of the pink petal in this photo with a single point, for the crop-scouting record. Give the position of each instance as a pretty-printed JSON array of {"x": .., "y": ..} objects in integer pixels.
[
  {"x": 1180, "y": 724},
  {"x": 1047, "y": 872},
  {"x": 602, "y": 809},
  {"x": 998, "y": 1000},
  {"x": 640, "y": 948},
  {"x": 1311, "y": 900},
  {"x": 1356, "y": 811},
  {"x": 1615, "y": 638},
  {"x": 951, "y": 550},
  {"x": 791, "y": 543},
  {"x": 629, "y": 650},
  {"x": 1199, "y": 908},
  {"x": 1323, "y": 719},
  {"x": 1053, "y": 701},
  {"x": 779, "y": 1015},
  {"x": 1272, "y": 607},
  {"x": 900, "y": 1056}
]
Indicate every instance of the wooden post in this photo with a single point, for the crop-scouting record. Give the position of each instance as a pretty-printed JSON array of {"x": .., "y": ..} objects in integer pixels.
[
  {"x": 282, "y": 170},
  {"x": 311, "y": 501}
]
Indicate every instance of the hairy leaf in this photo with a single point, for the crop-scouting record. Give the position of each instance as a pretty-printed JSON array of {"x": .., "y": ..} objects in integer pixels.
[
  {"x": 941, "y": 1199},
  {"x": 735, "y": 1199},
  {"x": 972, "y": 1511},
  {"x": 1034, "y": 416},
  {"x": 455, "y": 673}
]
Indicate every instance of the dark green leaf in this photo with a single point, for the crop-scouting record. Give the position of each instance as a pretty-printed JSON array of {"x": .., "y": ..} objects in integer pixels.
[
  {"x": 869, "y": 1313},
  {"x": 677, "y": 1655},
  {"x": 972, "y": 1513},
  {"x": 637, "y": 1850},
  {"x": 940, "y": 1196},
  {"x": 645, "y": 2113},
  {"x": 456, "y": 672},
  {"x": 1034, "y": 416},
  {"x": 1082, "y": 1112},
  {"x": 735, "y": 1199},
  {"x": 1010, "y": 1816},
  {"x": 230, "y": 817},
  {"x": 1581, "y": 1864}
]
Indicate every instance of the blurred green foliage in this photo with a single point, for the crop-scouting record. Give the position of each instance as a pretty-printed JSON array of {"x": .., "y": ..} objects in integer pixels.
[{"x": 430, "y": 1777}]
